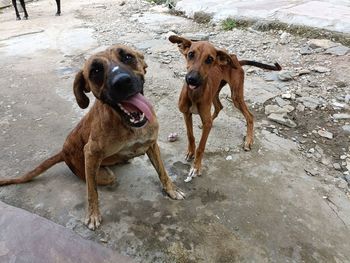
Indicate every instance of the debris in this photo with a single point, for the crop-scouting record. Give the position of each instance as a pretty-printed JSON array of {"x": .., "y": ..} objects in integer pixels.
[
  {"x": 337, "y": 166},
  {"x": 282, "y": 119},
  {"x": 172, "y": 137},
  {"x": 338, "y": 50},
  {"x": 341, "y": 116},
  {"x": 321, "y": 43},
  {"x": 325, "y": 134}
]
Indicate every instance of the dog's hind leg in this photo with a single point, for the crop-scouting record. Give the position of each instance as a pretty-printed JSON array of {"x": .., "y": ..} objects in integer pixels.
[
  {"x": 24, "y": 9},
  {"x": 217, "y": 106},
  {"x": 238, "y": 101},
  {"x": 14, "y": 3}
]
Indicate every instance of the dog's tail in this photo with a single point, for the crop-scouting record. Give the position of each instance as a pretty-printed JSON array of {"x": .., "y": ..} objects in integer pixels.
[
  {"x": 36, "y": 171},
  {"x": 276, "y": 67}
]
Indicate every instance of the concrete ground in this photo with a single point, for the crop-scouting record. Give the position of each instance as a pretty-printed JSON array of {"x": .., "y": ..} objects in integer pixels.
[
  {"x": 258, "y": 206},
  {"x": 323, "y": 14}
]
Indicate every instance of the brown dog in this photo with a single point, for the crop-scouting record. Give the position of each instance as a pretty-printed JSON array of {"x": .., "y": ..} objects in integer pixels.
[
  {"x": 208, "y": 71},
  {"x": 120, "y": 125}
]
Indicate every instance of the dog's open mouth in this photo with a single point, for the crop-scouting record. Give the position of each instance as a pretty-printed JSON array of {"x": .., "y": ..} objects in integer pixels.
[{"x": 136, "y": 110}]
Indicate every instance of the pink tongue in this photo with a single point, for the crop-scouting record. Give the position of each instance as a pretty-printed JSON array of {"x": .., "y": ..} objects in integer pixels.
[
  {"x": 142, "y": 104},
  {"x": 192, "y": 87}
]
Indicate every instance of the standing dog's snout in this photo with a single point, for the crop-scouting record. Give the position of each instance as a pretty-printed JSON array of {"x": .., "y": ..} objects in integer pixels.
[
  {"x": 121, "y": 80},
  {"x": 193, "y": 78}
]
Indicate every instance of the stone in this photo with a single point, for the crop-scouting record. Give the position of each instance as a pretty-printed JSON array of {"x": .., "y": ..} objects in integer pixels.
[
  {"x": 337, "y": 166},
  {"x": 285, "y": 75},
  {"x": 338, "y": 50},
  {"x": 310, "y": 102},
  {"x": 311, "y": 150},
  {"x": 304, "y": 72},
  {"x": 325, "y": 134},
  {"x": 229, "y": 158},
  {"x": 288, "y": 108},
  {"x": 346, "y": 129},
  {"x": 321, "y": 43},
  {"x": 285, "y": 38},
  {"x": 341, "y": 116},
  {"x": 342, "y": 184},
  {"x": 347, "y": 178},
  {"x": 300, "y": 107},
  {"x": 340, "y": 84},
  {"x": 197, "y": 36},
  {"x": 305, "y": 50},
  {"x": 281, "y": 102},
  {"x": 320, "y": 69},
  {"x": 347, "y": 98},
  {"x": 282, "y": 119},
  {"x": 287, "y": 96},
  {"x": 274, "y": 109}
]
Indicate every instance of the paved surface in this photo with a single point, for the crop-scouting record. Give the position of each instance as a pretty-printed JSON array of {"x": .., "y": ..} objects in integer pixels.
[
  {"x": 258, "y": 206},
  {"x": 29, "y": 238},
  {"x": 323, "y": 14}
]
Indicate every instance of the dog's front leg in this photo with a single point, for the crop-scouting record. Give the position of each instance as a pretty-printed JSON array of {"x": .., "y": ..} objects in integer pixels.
[
  {"x": 153, "y": 154},
  {"x": 93, "y": 159},
  {"x": 191, "y": 147},
  {"x": 205, "y": 115}
]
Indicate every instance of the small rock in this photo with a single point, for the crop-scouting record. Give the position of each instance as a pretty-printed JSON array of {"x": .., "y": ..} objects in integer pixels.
[
  {"x": 229, "y": 158},
  {"x": 282, "y": 119},
  {"x": 172, "y": 137},
  {"x": 347, "y": 98},
  {"x": 342, "y": 157},
  {"x": 285, "y": 75},
  {"x": 346, "y": 129},
  {"x": 122, "y": 3},
  {"x": 338, "y": 50},
  {"x": 300, "y": 107},
  {"x": 325, "y": 134},
  {"x": 281, "y": 102},
  {"x": 311, "y": 150},
  {"x": 341, "y": 116},
  {"x": 285, "y": 38},
  {"x": 342, "y": 184},
  {"x": 340, "y": 84},
  {"x": 288, "y": 108},
  {"x": 273, "y": 109},
  {"x": 320, "y": 69},
  {"x": 303, "y": 72},
  {"x": 287, "y": 96},
  {"x": 310, "y": 102},
  {"x": 227, "y": 149},
  {"x": 321, "y": 43},
  {"x": 337, "y": 166},
  {"x": 197, "y": 36},
  {"x": 306, "y": 50},
  {"x": 337, "y": 105}
]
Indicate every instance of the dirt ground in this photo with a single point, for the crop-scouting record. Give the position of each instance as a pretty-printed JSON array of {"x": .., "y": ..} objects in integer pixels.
[{"x": 287, "y": 200}]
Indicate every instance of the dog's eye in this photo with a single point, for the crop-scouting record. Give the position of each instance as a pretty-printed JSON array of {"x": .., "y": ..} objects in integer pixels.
[
  {"x": 209, "y": 60},
  {"x": 96, "y": 72},
  {"x": 128, "y": 58},
  {"x": 190, "y": 55}
]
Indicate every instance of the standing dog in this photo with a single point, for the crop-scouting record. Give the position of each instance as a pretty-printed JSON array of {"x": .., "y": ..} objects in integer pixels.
[
  {"x": 14, "y": 3},
  {"x": 208, "y": 71},
  {"x": 120, "y": 125}
]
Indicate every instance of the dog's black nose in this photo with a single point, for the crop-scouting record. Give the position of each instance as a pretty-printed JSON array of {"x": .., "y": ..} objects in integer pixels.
[
  {"x": 193, "y": 78},
  {"x": 121, "y": 80}
]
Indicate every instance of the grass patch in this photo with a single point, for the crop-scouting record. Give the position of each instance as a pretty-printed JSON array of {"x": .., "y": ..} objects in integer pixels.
[
  {"x": 228, "y": 24},
  {"x": 202, "y": 17}
]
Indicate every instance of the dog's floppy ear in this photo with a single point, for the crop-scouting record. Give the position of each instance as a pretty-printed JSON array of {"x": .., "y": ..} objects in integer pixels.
[
  {"x": 223, "y": 58},
  {"x": 183, "y": 43},
  {"x": 80, "y": 87}
]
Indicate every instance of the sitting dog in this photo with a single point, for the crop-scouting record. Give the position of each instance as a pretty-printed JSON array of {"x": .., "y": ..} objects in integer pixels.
[
  {"x": 208, "y": 71},
  {"x": 18, "y": 17},
  {"x": 120, "y": 126}
]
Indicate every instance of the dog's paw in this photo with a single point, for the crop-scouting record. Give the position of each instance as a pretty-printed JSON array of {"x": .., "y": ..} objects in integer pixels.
[
  {"x": 189, "y": 157},
  {"x": 176, "y": 194},
  {"x": 93, "y": 220},
  {"x": 247, "y": 145},
  {"x": 194, "y": 172}
]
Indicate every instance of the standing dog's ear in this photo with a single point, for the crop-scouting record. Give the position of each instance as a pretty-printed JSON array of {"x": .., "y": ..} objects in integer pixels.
[
  {"x": 80, "y": 88},
  {"x": 183, "y": 43},
  {"x": 223, "y": 58}
]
